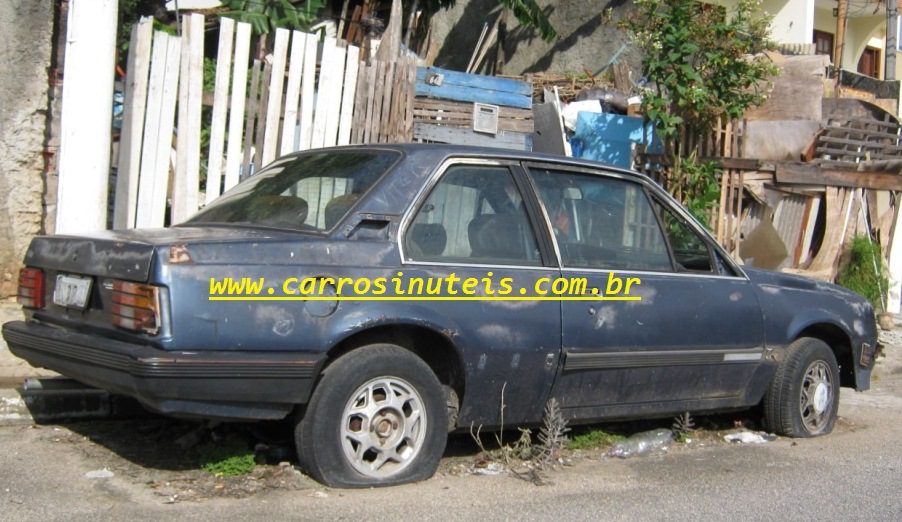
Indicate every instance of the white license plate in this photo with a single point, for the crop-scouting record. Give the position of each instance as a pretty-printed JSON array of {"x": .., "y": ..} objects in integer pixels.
[{"x": 71, "y": 291}]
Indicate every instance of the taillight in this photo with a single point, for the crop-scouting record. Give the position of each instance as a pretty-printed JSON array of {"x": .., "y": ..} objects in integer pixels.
[
  {"x": 31, "y": 287},
  {"x": 136, "y": 307}
]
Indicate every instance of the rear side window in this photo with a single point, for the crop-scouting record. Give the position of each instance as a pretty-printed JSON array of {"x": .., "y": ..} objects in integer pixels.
[
  {"x": 602, "y": 222},
  {"x": 475, "y": 214},
  {"x": 309, "y": 192}
]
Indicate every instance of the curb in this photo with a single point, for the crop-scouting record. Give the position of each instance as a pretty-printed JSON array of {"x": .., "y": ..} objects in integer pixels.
[{"x": 56, "y": 399}]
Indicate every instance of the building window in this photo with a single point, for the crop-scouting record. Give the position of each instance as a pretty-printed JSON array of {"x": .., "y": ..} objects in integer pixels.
[{"x": 823, "y": 43}]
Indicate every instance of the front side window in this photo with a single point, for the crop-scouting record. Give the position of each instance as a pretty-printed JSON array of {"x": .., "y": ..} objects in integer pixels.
[
  {"x": 601, "y": 222},
  {"x": 690, "y": 250},
  {"x": 475, "y": 214},
  {"x": 311, "y": 192}
]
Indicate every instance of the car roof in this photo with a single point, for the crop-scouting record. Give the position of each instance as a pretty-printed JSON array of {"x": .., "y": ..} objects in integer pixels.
[{"x": 438, "y": 151}]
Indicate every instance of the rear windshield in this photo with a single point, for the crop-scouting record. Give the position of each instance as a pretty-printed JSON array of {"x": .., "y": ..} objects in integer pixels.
[{"x": 311, "y": 192}]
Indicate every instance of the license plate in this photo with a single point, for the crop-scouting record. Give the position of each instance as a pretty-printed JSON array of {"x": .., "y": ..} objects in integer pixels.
[{"x": 72, "y": 291}]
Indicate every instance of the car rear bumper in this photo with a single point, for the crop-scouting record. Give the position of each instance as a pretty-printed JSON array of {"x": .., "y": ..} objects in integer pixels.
[{"x": 233, "y": 385}]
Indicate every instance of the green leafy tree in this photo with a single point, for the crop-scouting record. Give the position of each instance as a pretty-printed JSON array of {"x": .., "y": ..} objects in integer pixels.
[
  {"x": 267, "y": 15},
  {"x": 702, "y": 64}
]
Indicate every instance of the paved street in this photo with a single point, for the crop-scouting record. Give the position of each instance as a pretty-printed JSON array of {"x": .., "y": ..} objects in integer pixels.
[{"x": 854, "y": 473}]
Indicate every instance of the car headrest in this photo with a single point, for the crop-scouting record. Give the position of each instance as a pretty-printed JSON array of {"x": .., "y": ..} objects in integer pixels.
[
  {"x": 337, "y": 207},
  {"x": 278, "y": 209},
  {"x": 496, "y": 236},
  {"x": 428, "y": 238}
]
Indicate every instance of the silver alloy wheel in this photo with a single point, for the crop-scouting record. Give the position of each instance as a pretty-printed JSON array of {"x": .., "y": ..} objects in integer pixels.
[
  {"x": 383, "y": 427},
  {"x": 816, "y": 400}
]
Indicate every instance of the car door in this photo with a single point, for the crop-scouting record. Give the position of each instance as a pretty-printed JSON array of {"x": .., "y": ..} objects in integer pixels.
[
  {"x": 474, "y": 223},
  {"x": 693, "y": 341}
]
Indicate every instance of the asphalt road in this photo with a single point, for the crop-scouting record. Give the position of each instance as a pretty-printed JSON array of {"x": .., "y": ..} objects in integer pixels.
[{"x": 854, "y": 473}]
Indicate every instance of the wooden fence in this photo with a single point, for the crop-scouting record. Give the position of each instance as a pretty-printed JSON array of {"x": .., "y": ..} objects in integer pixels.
[{"x": 306, "y": 94}]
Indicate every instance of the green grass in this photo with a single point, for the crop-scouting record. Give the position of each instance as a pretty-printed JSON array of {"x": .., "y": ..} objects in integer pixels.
[
  {"x": 865, "y": 271},
  {"x": 230, "y": 459},
  {"x": 594, "y": 439}
]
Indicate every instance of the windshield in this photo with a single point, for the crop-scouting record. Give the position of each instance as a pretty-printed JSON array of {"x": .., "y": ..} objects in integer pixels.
[{"x": 309, "y": 192}]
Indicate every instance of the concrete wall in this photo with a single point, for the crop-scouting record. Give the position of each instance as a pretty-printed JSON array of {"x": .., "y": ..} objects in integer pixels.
[
  {"x": 588, "y": 36},
  {"x": 25, "y": 47},
  {"x": 793, "y": 20}
]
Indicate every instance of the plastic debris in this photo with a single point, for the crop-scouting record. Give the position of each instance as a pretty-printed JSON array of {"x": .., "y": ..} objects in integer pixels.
[
  {"x": 749, "y": 437},
  {"x": 642, "y": 444},
  {"x": 492, "y": 468},
  {"x": 99, "y": 474}
]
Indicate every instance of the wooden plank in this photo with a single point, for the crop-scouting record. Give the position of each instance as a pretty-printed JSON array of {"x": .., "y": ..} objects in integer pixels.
[
  {"x": 440, "y": 134},
  {"x": 348, "y": 95},
  {"x": 333, "y": 112},
  {"x": 250, "y": 118},
  {"x": 385, "y": 119},
  {"x": 239, "y": 99},
  {"x": 323, "y": 97},
  {"x": 293, "y": 92},
  {"x": 410, "y": 91},
  {"x": 158, "y": 128},
  {"x": 806, "y": 174},
  {"x": 133, "y": 124},
  {"x": 377, "y": 103},
  {"x": 477, "y": 81},
  {"x": 274, "y": 98},
  {"x": 371, "y": 70},
  {"x": 186, "y": 181},
  {"x": 359, "y": 117},
  {"x": 215, "y": 158},
  {"x": 308, "y": 88},
  {"x": 485, "y": 28},
  {"x": 260, "y": 127}
]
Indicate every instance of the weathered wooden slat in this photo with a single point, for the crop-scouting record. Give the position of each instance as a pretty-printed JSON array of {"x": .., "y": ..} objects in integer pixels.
[
  {"x": 220, "y": 98},
  {"x": 238, "y": 102},
  {"x": 308, "y": 89},
  {"x": 374, "y": 92},
  {"x": 440, "y": 134},
  {"x": 359, "y": 117},
  {"x": 348, "y": 95},
  {"x": 256, "y": 162},
  {"x": 186, "y": 181},
  {"x": 333, "y": 111},
  {"x": 132, "y": 136},
  {"x": 323, "y": 96},
  {"x": 410, "y": 86},
  {"x": 385, "y": 120},
  {"x": 250, "y": 118},
  {"x": 813, "y": 175},
  {"x": 293, "y": 93},
  {"x": 448, "y": 111},
  {"x": 159, "y": 124},
  {"x": 274, "y": 98},
  {"x": 375, "y": 132}
]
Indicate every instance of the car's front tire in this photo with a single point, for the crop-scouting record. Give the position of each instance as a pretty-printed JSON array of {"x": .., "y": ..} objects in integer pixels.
[
  {"x": 803, "y": 398},
  {"x": 376, "y": 418}
]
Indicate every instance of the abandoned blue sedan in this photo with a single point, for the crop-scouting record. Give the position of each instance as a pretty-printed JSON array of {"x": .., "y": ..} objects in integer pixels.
[{"x": 382, "y": 296}]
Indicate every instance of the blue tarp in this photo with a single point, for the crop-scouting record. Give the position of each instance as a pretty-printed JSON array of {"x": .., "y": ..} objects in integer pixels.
[{"x": 607, "y": 138}]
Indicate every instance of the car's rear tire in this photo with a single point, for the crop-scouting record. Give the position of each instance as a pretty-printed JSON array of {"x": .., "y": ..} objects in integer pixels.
[
  {"x": 803, "y": 398},
  {"x": 376, "y": 418}
]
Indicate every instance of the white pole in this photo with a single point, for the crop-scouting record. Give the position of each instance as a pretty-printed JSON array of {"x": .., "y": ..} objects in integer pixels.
[{"x": 87, "y": 106}]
